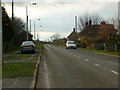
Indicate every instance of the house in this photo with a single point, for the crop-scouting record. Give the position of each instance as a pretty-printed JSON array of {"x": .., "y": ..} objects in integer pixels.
[
  {"x": 73, "y": 36},
  {"x": 100, "y": 33},
  {"x": 94, "y": 34}
]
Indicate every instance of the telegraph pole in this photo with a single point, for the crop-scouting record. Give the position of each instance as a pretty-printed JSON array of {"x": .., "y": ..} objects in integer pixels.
[
  {"x": 34, "y": 31},
  {"x": 1, "y": 61},
  {"x": 119, "y": 17},
  {"x": 30, "y": 26},
  {"x": 76, "y": 23},
  {"x": 27, "y": 22},
  {"x": 12, "y": 10}
]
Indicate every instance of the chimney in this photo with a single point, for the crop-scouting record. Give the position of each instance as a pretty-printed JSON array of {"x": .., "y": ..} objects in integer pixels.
[
  {"x": 90, "y": 22},
  {"x": 73, "y": 29},
  {"x": 86, "y": 23}
]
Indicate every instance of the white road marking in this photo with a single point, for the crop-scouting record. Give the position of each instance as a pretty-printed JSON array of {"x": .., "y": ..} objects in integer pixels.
[
  {"x": 114, "y": 72},
  {"x": 86, "y": 60},
  {"x": 46, "y": 76},
  {"x": 97, "y": 64}
]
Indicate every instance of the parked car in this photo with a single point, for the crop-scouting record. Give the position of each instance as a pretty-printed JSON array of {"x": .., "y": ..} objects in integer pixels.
[
  {"x": 71, "y": 44},
  {"x": 27, "y": 46}
]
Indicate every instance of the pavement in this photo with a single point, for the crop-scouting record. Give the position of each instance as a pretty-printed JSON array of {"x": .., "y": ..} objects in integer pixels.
[{"x": 19, "y": 82}]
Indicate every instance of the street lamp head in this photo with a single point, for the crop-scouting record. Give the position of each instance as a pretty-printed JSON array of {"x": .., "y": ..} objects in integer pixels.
[{"x": 33, "y": 3}]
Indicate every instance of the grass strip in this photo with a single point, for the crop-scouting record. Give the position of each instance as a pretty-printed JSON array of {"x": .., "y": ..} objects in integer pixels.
[
  {"x": 12, "y": 70},
  {"x": 59, "y": 45},
  {"x": 40, "y": 46},
  {"x": 16, "y": 57},
  {"x": 103, "y": 51}
]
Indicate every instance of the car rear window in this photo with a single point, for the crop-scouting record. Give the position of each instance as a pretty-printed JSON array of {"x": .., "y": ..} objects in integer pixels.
[
  {"x": 27, "y": 43},
  {"x": 71, "y": 42}
]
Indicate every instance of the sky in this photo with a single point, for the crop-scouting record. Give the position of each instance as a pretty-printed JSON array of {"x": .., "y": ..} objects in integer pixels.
[{"x": 57, "y": 16}]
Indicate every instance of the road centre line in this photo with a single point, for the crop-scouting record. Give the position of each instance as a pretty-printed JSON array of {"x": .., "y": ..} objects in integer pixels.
[
  {"x": 114, "y": 72},
  {"x": 97, "y": 64}
]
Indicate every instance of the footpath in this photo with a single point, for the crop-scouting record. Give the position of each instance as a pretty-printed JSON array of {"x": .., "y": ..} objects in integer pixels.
[{"x": 21, "y": 81}]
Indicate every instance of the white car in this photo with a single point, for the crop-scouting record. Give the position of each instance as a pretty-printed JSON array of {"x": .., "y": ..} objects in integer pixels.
[{"x": 71, "y": 44}]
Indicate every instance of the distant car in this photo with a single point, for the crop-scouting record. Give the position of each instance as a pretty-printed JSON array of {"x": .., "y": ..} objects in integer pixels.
[
  {"x": 27, "y": 46},
  {"x": 71, "y": 44}
]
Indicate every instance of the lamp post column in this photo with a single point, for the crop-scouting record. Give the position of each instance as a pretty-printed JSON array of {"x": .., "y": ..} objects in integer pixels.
[
  {"x": 27, "y": 22},
  {"x": 1, "y": 61}
]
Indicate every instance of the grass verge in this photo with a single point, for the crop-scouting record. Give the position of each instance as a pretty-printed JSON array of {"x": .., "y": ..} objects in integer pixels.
[
  {"x": 59, "y": 45},
  {"x": 16, "y": 57},
  {"x": 12, "y": 70},
  {"x": 40, "y": 46},
  {"x": 103, "y": 51}
]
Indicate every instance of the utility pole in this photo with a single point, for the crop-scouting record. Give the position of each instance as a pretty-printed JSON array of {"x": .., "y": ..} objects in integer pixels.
[
  {"x": 12, "y": 10},
  {"x": 76, "y": 23},
  {"x": 1, "y": 61},
  {"x": 30, "y": 26},
  {"x": 27, "y": 22},
  {"x": 34, "y": 31},
  {"x": 119, "y": 17}
]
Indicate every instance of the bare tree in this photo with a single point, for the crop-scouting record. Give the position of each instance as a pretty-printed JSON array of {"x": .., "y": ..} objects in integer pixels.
[
  {"x": 55, "y": 36},
  {"x": 85, "y": 18}
]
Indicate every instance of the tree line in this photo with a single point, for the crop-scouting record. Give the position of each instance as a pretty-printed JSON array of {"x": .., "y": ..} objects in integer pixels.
[{"x": 13, "y": 32}]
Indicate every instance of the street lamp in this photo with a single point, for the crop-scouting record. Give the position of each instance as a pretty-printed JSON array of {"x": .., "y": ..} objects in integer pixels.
[
  {"x": 27, "y": 19},
  {"x": 0, "y": 44},
  {"x": 34, "y": 30}
]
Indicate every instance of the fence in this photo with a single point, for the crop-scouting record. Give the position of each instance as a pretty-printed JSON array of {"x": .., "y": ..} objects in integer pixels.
[{"x": 104, "y": 46}]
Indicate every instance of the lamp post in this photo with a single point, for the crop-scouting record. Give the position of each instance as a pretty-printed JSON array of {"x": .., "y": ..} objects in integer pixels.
[
  {"x": 40, "y": 30},
  {"x": 27, "y": 20},
  {"x": 35, "y": 29},
  {"x": 1, "y": 61}
]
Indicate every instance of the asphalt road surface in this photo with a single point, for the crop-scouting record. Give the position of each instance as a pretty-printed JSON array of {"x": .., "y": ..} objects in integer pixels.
[{"x": 75, "y": 68}]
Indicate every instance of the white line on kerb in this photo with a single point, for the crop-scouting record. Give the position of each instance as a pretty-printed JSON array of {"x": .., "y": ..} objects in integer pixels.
[
  {"x": 114, "y": 72},
  {"x": 86, "y": 60},
  {"x": 97, "y": 64}
]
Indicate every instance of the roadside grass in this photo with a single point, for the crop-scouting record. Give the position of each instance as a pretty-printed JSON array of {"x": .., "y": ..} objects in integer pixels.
[
  {"x": 16, "y": 57},
  {"x": 12, "y": 70},
  {"x": 11, "y": 49},
  {"x": 102, "y": 51},
  {"x": 35, "y": 56},
  {"x": 59, "y": 45},
  {"x": 40, "y": 46}
]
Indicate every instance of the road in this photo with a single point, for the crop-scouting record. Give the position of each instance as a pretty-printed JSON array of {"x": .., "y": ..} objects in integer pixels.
[{"x": 71, "y": 68}]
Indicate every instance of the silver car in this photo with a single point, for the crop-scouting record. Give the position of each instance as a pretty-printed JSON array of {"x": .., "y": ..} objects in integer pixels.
[
  {"x": 71, "y": 44},
  {"x": 27, "y": 46}
]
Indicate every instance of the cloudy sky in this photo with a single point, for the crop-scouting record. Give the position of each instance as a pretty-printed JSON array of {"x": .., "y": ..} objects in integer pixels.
[{"x": 57, "y": 16}]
